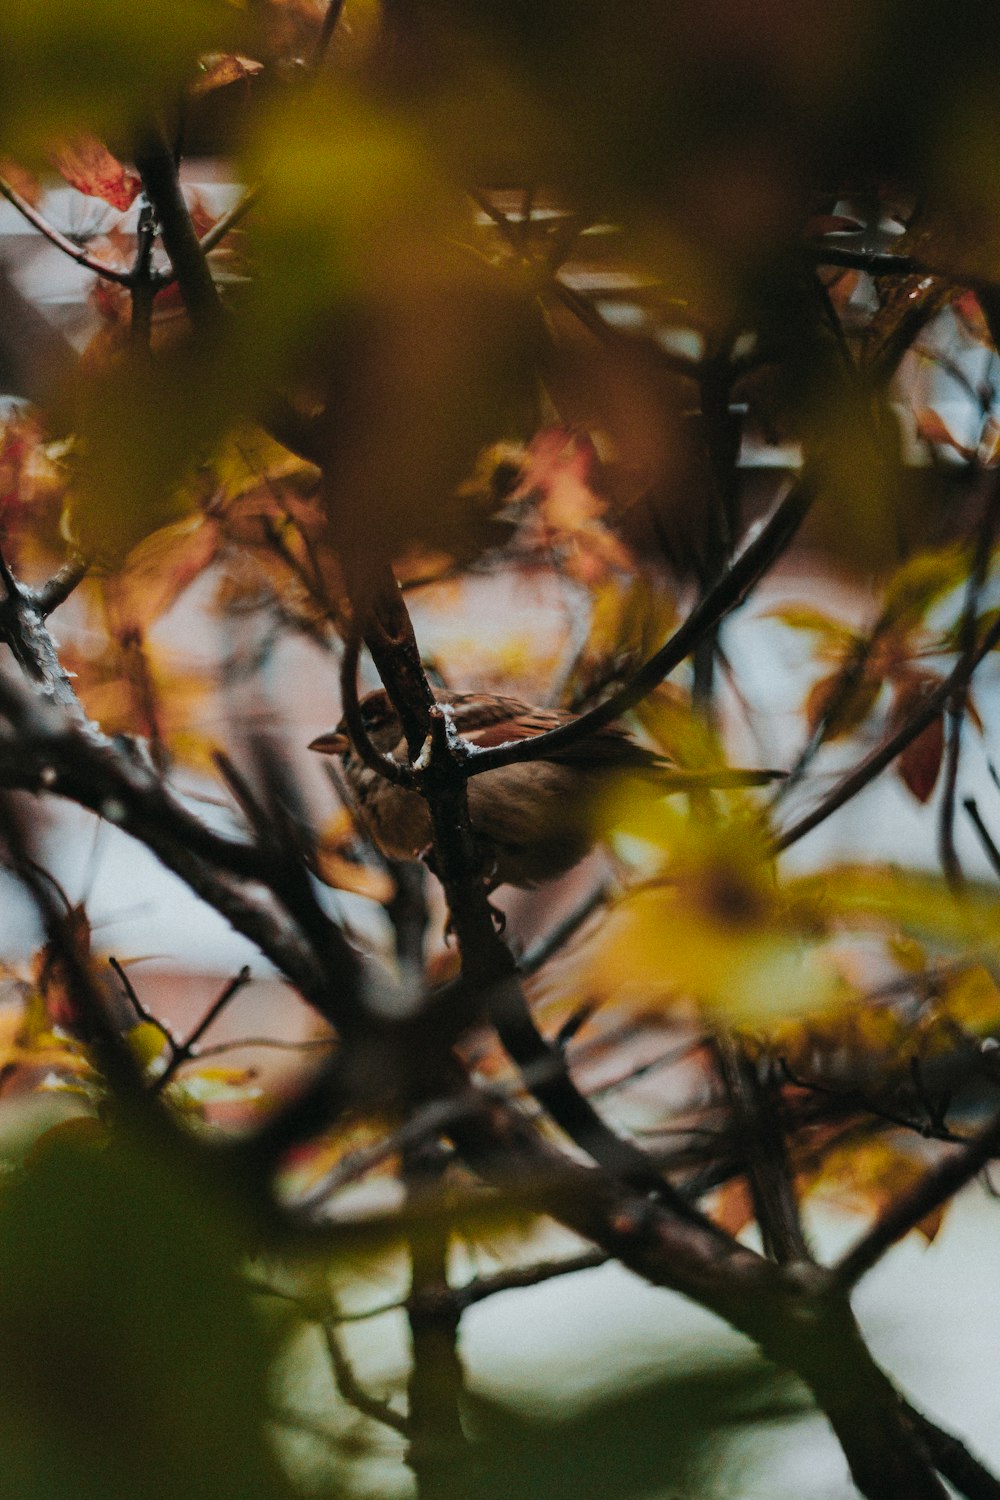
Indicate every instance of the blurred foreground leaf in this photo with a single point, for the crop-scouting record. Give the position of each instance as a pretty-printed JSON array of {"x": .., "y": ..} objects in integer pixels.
[
  {"x": 132, "y": 1362},
  {"x": 659, "y": 1440},
  {"x": 67, "y": 65}
]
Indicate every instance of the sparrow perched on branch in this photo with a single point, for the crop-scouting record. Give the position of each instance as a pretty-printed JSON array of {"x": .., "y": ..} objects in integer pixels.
[{"x": 536, "y": 818}]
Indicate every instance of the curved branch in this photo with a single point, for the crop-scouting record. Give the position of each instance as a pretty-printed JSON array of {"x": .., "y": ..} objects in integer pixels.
[
  {"x": 936, "y": 1187},
  {"x": 729, "y": 591},
  {"x": 382, "y": 765},
  {"x": 884, "y": 754},
  {"x": 61, "y": 241}
]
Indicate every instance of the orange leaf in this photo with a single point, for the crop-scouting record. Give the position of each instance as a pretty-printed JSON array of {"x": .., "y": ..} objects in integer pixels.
[
  {"x": 931, "y": 1223},
  {"x": 21, "y": 180},
  {"x": 920, "y": 762},
  {"x": 88, "y": 166},
  {"x": 158, "y": 570},
  {"x": 970, "y": 313},
  {"x": 733, "y": 1206},
  {"x": 337, "y": 863}
]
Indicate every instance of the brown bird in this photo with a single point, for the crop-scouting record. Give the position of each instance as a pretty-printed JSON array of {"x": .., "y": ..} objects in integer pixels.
[{"x": 537, "y": 818}]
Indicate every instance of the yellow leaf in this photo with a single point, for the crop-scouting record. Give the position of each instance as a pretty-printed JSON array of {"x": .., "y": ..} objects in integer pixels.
[
  {"x": 147, "y": 1043},
  {"x": 806, "y": 617},
  {"x": 972, "y": 998},
  {"x": 157, "y": 571},
  {"x": 868, "y": 1176},
  {"x": 712, "y": 924},
  {"x": 921, "y": 581},
  {"x": 862, "y": 897}
]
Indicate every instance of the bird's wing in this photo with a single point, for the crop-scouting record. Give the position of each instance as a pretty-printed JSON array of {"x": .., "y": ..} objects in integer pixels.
[{"x": 611, "y": 748}]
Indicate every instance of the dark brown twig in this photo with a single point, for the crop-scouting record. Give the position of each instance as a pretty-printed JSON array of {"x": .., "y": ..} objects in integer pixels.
[
  {"x": 158, "y": 170},
  {"x": 384, "y": 765},
  {"x": 956, "y": 709},
  {"x": 936, "y": 1187},
  {"x": 762, "y": 1141},
  {"x": 729, "y": 591},
  {"x": 883, "y": 755},
  {"x": 952, "y": 1458},
  {"x": 184, "y": 1051},
  {"x": 985, "y": 837},
  {"x": 60, "y": 241}
]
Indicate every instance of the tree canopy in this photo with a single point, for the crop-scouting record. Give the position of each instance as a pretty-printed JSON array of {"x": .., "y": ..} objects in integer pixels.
[{"x": 613, "y": 333}]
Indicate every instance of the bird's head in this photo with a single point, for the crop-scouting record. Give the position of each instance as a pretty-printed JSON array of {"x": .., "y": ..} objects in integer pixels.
[{"x": 380, "y": 720}]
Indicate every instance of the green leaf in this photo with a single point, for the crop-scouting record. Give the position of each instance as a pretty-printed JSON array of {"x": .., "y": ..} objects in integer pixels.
[
  {"x": 99, "y": 65},
  {"x": 132, "y": 1361}
]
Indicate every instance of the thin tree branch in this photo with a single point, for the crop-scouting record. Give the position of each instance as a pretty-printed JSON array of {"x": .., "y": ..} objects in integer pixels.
[
  {"x": 758, "y": 1129},
  {"x": 437, "y": 1449},
  {"x": 184, "y": 1051},
  {"x": 57, "y": 589},
  {"x": 213, "y": 237},
  {"x": 158, "y": 170},
  {"x": 729, "y": 591},
  {"x": 883, "y": 755},
  {"x": 327, "y": 29},
  {"x": 142, "y": 282},
  {"x": 384, "y": 765},
  {"x": 952, "y": 1458},
  {"x": 353, "y": 1392},
  {"x": 985, "y": 837},
  {"x": 936, "y": 1187},
  {"x": 60, "y": 241},
  {"x": 142, "y": 1010},
  {"x": 955, "y": 714},
  {"x": 795, "y": 1316}
]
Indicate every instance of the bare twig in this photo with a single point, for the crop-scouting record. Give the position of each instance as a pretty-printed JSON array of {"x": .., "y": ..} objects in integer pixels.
[
  {"x": 184, "y": 1051},
  {"x": 158, "y": 170},
  {"x": 384, "y": 765},
  {"x": 985, "y": 837},
  {"x": 437, "y": 1448},
  {"x": 936, "y": 1187},
  {"x": 955, "y": 713},
  {"x": 57, "y": 589},
  {"x": 141, "y": 1009},
  {"x": 883, "y": 755},
  {"x": 952, "y": 1458},
  {"x": 730, "y": 590},
  {"x": 214, "y": 236},
  {"x": 353, "y": 1392},
  {"x": 67, "y": 246},
  {"x": 762, "y": 1141},
  {"x": 326, "y": 31}
]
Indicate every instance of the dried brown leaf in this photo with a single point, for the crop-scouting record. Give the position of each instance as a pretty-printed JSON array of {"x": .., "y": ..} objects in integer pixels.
[{"x": 88, "y": 165}]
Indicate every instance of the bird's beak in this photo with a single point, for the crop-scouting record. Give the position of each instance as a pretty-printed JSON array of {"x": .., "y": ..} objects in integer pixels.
[{"x": 332, "y": 743}]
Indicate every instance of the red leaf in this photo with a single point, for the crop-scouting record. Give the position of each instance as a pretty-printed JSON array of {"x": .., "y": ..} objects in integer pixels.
[
  {"x": 969, "y": 311},
  {"x": 920, "y": 762},
  {"x": 88, "y": 166}
]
